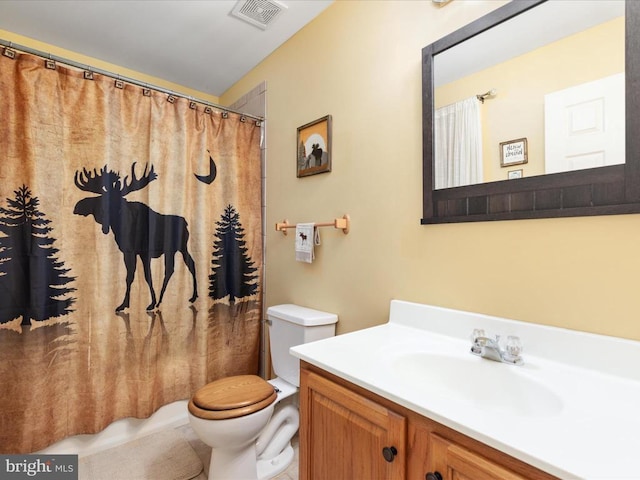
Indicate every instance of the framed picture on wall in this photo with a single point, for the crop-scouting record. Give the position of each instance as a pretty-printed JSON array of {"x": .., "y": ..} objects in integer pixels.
[
  {"x": 512, "y": 174},
  {"x": 314, "y": 147},
  {"x": 513, "y": 152}
]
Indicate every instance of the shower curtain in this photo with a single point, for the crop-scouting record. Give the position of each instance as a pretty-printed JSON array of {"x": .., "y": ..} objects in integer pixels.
[
  {"x": 130, "y": 250},
  {"x": 458, "y": 144}
]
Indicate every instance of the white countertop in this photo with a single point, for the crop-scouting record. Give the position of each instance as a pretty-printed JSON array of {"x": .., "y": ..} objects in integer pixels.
[{"x": 571, "y": 410}]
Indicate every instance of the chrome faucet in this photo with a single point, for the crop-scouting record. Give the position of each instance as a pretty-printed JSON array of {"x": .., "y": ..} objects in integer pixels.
[{"x": 490, "y": 348}]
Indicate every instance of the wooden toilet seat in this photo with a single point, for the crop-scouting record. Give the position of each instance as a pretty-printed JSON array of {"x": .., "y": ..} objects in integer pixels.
[{"x": 232, "y": 397}]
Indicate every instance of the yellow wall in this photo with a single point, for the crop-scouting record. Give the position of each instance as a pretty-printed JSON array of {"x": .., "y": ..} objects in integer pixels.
[
  {"x": 109, "y": 67},
  {"x": 360, "y": 62},
  {"x": 521, "y": 83}
]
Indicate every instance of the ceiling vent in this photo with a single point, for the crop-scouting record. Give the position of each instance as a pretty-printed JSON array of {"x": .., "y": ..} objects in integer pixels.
[{"x": 259, "y": 13}]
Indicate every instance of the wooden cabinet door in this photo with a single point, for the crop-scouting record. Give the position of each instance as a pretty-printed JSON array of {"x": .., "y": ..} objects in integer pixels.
[
  {"x": 455, "y": 462},
  {"x": 343, "y": 434}
]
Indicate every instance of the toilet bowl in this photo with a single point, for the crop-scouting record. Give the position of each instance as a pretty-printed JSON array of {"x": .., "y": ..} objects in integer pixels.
[
  {"x": 248, "y": 421},
  {"x": 228, "y": 415}
]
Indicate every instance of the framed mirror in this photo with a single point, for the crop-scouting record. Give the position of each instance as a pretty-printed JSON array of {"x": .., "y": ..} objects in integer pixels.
[{"x": 519, "y": 153}]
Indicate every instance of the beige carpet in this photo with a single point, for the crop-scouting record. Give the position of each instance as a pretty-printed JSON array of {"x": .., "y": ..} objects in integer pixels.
[{"x": 166, "y": 455}]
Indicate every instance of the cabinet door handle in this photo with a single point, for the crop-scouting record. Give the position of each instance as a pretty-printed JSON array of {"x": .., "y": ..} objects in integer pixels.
[
  {"x": 389, "y": 453},
  {"x": 434, "y": 476}
]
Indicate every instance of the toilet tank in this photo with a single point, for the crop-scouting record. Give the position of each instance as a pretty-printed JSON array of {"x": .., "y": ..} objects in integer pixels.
[{"x": 291, "y": 325}]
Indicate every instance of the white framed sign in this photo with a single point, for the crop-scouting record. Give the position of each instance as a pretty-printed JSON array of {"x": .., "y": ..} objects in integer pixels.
[{"x": 513, "y": 152}]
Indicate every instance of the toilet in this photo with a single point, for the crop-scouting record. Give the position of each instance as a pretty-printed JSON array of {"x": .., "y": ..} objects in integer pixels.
[{"x": 249, "y": 422}]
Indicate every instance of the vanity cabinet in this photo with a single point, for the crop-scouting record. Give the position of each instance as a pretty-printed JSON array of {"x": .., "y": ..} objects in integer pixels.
[
  {"x": 347, "y": 432},
  {"x": 344, "y": 435},
  {"x": 452, "y": 460}
]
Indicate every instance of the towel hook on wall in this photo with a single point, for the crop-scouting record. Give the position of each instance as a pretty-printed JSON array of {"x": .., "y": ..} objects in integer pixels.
[{"x": 342, "y": 223}]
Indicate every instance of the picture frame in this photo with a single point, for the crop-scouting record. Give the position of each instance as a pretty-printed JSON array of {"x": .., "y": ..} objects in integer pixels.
[
  {"x": 313, "y": 147},
  {"x": 513, "y": 174},
  {"x": 513, "y": 152}
]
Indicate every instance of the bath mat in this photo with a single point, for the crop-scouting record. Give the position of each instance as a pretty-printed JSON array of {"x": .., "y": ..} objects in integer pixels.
[{"x": 166, "y": 455}]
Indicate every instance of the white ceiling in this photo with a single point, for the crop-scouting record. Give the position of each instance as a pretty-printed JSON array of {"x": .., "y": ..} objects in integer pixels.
[{"x": 197, "y": 44}]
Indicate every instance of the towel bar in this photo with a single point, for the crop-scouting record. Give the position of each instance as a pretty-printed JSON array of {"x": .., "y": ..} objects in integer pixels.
[{"x": 341, "y": 223}]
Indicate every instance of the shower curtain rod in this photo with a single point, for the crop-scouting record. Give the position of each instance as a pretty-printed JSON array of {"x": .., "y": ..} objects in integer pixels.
[
  {"x": 133, "y": 81},
  {"x": 483, "y": 96}
]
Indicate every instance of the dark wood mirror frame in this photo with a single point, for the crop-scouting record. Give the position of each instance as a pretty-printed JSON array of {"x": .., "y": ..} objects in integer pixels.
[{"x": 595, "y": 191}]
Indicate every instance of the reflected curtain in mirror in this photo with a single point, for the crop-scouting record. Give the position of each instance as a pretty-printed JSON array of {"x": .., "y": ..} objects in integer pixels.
[
  {"x": 458, "y": 144},
  {"x": 130, "y": 250}
]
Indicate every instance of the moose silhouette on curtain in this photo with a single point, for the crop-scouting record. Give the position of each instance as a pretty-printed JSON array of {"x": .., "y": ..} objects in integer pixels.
[{"x": 139, "y": 231}]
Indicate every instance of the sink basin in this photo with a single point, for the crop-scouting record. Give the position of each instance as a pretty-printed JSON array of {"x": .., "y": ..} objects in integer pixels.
[{"x": 478, "y": 382}]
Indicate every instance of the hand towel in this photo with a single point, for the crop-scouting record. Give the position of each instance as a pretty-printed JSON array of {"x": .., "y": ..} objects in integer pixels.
[{"x": 306, "y": 237}]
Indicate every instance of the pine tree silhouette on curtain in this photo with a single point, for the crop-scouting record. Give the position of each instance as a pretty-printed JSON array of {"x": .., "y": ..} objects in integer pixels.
[
  {"x": 32, "y": 280},
  {"x": 233, "y": 270}
]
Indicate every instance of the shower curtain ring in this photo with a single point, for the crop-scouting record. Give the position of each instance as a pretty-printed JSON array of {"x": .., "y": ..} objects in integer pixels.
[{"x": 9, "y": 52}]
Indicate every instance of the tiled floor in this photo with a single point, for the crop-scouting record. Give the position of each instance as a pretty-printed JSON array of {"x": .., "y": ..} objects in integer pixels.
[{"x": 204, "y": 452}]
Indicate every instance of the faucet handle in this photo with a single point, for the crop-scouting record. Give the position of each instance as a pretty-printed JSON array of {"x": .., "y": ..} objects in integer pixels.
[
  {"x": 514, "y": 346},
  {"x": 477, "y": 333}
]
